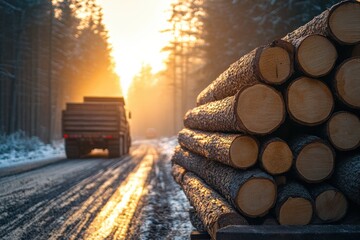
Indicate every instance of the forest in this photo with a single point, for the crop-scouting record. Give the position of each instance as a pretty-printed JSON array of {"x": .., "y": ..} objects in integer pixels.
[{"x": 53, "y": 52}]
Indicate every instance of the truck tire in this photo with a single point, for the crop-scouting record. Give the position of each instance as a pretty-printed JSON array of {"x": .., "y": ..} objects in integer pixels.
[
  {"x": 114, "y": 148},
  {"x": 72, "y": 149}
]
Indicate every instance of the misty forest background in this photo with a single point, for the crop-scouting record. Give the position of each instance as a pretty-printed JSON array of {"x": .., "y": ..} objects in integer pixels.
[{"x": 53, "y": 52}]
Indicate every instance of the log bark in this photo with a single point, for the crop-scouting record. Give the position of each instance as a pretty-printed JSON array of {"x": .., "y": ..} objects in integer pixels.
[
  {"x": 313, "y": 158},
  {"x": 347, "y": 177},
  {"x": 275, "y": 156},
  {"x": 309, "y": 101},
  {"x": 252, "y": 192},
  {"x": 257, "y": 109},
  {"x": 343, "y": 131},
  {"x": 238, "y": 151},
  {"x": 346, "y": 82},
  {"x": 341, "y": 23},
  {"x": 294, "y": 205},
  {"x": 196, "y": 221},
  {"x": 315, "y": 55},
  {"x": 272, "y": 64},
  {"x": 178, "y": 173},
  {"x": 213, "y": 210},
  {"x": 330, "y": 204}
]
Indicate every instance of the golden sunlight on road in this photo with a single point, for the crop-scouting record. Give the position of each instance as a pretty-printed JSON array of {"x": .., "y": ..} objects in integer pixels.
[{"x": 116, "y": 215}]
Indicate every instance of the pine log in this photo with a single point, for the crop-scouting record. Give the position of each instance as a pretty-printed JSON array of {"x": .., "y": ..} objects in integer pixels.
[
  {"x": 275, "y": 156},
  {"x": 313, "y": 158},
  {"x": 346, "y": 82},
  {"x": 309, "y": 101},
  {"x": 272, "y": 64},
  {"x": 196, "y": 221},
  {"x": 347, "y": 177},
  {"x": 343, "y": 130},
  {"x": 239, "y": 151},
  {"x": 315, "y": 55},
  {"x": 178, "y": 173},
  {"x": 252, "y": 192},
  {"x": 213, "y": 210},
  {"x": 330, "y": 204},
  {"x": 294, "y": 205},
  {"x": 257, "y": 109},
  {"x": 341, "y": 23}
]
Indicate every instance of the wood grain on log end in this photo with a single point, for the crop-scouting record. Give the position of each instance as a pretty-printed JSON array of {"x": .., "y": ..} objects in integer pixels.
[
  {"x": 315, "y": 55},
  {"x": 309, "y": 101},
  {"x": 276, "y": 156},
  {"x": 343, "y": 130},
  {"x": 260, "y": 108},
  {"x": 330, "y": 205},
  {"x": 275, "y": 63},
  {"x": 244, "y": 152},
  {"x": 256, "y": 196},
  {"x": 346, "y": 84},
  {"x": 344, "y": 22}
]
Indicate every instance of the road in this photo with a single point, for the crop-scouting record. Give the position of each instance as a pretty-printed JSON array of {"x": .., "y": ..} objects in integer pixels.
[{"x": 132, "y": 197}]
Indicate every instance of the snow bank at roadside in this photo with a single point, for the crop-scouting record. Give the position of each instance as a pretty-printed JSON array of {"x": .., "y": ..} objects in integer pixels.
[{"x": 17, "y": 148}]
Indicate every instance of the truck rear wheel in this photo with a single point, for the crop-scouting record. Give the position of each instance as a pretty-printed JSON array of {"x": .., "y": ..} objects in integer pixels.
[
  {"x": 72, "y": 149},
  {"x": 114, "y": 148}
]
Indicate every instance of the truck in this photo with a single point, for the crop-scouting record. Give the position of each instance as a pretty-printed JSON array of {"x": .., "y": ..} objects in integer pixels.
[{"x": 96, "y": 123}]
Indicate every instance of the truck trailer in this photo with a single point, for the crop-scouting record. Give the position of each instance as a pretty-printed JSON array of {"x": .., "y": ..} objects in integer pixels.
[{"x": 98, "y": 122}]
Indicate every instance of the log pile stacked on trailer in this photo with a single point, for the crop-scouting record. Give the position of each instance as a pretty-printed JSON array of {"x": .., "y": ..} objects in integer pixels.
[{"x": 275, "y": 138}]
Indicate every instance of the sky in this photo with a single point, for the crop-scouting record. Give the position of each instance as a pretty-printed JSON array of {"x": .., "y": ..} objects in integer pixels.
[{"x": 134, "y": 29}]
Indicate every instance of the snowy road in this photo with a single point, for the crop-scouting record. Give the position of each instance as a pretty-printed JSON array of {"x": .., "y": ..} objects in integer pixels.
[{"x": 95, "y": 198}]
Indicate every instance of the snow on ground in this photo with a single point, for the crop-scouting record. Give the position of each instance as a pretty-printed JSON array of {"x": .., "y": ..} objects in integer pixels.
[{"x": 17, "y": 148}]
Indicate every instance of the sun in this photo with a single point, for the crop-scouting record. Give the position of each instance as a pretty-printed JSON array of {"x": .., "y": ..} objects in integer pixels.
[{"x": 134, "y": 33}]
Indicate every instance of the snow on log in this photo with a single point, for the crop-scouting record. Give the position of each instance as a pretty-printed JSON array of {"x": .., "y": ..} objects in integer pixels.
[
  {"x": 213, "y": 210},
  {"x": 341, "y": 22},
  {"x": 315, "y": 55},
  {"x": 309, "y": 101},
  {"x": 313, "y": 158},
  {"x": 294, "y": 205},
  {"x": 239, "y": 151},
  {"x": 252, "y": 192},
  {"x": 343, "y": 130},
  {"x": 347, "y": 177},
  {"x": 346, "y": 82},
  {"x": 272, "y": 64},
  {"x": 275, "y": 156},
  {"x": 330, "y": 204},
  {"x": 257, "y": 109}
]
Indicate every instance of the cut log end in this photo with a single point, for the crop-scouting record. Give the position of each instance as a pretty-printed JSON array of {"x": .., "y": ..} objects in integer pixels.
[
  {"x": 315, "y": 162},
  {"x": 344, "y": 22},
  {"x": 331, "y": 205},
  {"x": 244, "y": 152},
  {"x": 295, "y": 211},
  {"x": 275, "y": 65},
  {"x": 316, "y": 55},
  {"x": 256, "y": 197},
  {"x": 277, "y": 157},
  {"x": 347, "y": 82},
  {"x": 260, "y": 108},
  {"x": 344, "y": 131},
  {"x": 309, "y": 101}
]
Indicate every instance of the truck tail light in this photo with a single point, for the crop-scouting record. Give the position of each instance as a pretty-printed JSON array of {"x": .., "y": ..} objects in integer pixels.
[
  {"x": 66, "y": 136},
  {"x": 108, "y": 137}
]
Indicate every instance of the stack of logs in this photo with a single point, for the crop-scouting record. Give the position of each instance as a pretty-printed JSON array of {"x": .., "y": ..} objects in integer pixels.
[{"x": 275, "y": 138}]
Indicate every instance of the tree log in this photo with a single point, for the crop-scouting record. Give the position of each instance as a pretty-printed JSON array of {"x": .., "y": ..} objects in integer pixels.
[
  {"x": 315, "y": 55},
  {"x": 178, "y": 173},
  {"x": 343, "y": 131},
  {"x": 239, "y": 151},
  {"x": 314, "y": 158},
  {"x": 294, "y": 205},
  {"x": 309, "y": 101},
  {"x": 347, "y": 177},
  {"x": 257, "y": 109},
  {"x": 346, "y": 82},
  {"x": 272, "y": 64},
  {"x": 330, "y": 204},
  {"x": 252, "y": 192},
  {"x": 213, "y": 210},
  {"x": 275, "y": 156},
  {"x": 341, "y": 23},
  {"x": 196, "y": 221}
]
